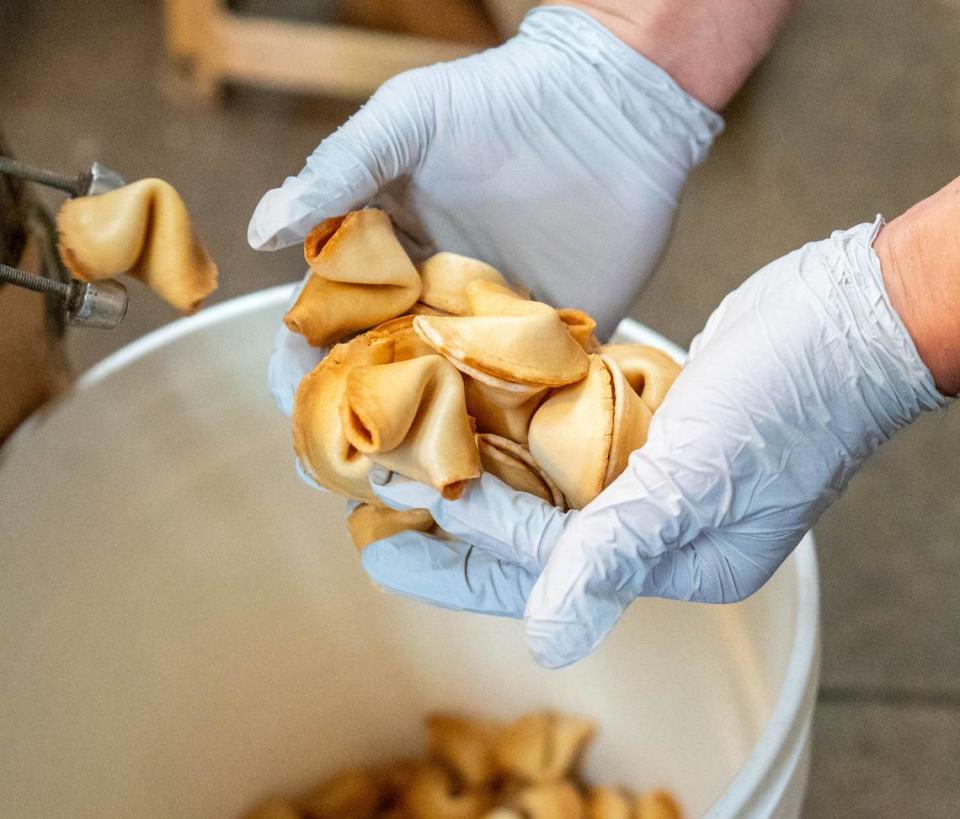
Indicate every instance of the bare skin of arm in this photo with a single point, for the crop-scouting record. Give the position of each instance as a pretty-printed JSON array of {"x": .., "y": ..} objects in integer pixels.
[
  {"x": 708, "y": 46},
  {"x": 919, "y": 254}
]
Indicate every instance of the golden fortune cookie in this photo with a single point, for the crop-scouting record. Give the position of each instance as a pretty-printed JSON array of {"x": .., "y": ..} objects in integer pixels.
[
  {"x": 543, "y": 747},
  {"x": 514, "y": 465},
  {"x": 360, "y": 277},
  {"x": 432, "y": 794},
  {"x": 554, "y": 800},
  {"x": 142, "y": 229},
  {"x": 368, "y": 523},
  {"x": 606, "y": 802},
  {"x": 318, "y": 435},
  {"x": 445, "y": 277},
  {"x": 411, "y": 417},
  {"x": 651, "y": 372},
  {"x": 582, "y": 435},
  {"x": 530, "y": 350},
  {"x": 657, "y": 804},
  {"x": 465, "y": 746}
]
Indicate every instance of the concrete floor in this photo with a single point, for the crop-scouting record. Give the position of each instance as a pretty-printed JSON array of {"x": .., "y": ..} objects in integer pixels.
[{"x": 856, "y": 111}]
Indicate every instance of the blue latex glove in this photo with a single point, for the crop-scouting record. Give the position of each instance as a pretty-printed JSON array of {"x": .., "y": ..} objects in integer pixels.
[
  {"x": 799, "y": 376},
  {"x": 558, "y": 158}
]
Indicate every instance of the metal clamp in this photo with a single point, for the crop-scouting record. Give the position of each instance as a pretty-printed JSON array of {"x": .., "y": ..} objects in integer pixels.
[
  {"x": 95, "y": 180},
  {"x": 101, "y": 304}
]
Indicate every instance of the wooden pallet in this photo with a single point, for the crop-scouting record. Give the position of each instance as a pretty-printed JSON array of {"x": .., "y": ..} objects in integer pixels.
[{"x": 220, "y": 45}]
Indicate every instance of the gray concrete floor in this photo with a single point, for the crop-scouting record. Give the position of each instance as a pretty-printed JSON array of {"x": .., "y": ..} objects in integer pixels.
[{"x": 855, "y": 112}]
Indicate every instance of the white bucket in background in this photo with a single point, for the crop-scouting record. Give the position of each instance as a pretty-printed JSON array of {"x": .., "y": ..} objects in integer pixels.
[{"x": 186, "y": 627}]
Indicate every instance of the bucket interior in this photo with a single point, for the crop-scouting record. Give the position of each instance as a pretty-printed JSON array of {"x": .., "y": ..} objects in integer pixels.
[{"x": 187, "y": 627}]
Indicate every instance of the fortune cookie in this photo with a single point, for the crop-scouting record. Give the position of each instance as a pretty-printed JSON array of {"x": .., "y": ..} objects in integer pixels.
[
  {"x": 368, "y": 523},
  {"x": 514, "y": 465},
  {"x": 486, "y": 298},
  {"x": 583, "y": 434},
  {"x": 609, "y": 803},
  {"x": 274, "y": 808},
  {"x": 651, "y": 372},
  {"x": 354, "y": 793},
  {"x": 142, "y": 229},
  {"x": 465, "y": 746},
  {"x": 411, "y": 417},
  {"x": 543, "y": 747},
  {"x": 581, "y": 327},
  {"x": 432, "y": 795},
  {"x": 406, "y": 343},
  {"x": 361, "y": 276},
  {"x": 445, "y": 278},
  {"x": 502, "y": 408},
  {"x": 529, "y": 350},
  {"x": 657, "y": 805},
  {"x": 554, "y": 800},
  {"x": 318, "y": 435}
]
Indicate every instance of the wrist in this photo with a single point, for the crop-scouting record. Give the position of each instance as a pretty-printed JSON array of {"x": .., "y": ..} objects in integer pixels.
[
  {"x": 919, "y": 255},
  {"x": 708, "y": 48}
]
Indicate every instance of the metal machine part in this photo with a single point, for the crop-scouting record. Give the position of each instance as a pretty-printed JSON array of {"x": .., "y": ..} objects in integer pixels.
[
  {"x": 101, "y": 304},
  {"x": 95, "y": 180}
]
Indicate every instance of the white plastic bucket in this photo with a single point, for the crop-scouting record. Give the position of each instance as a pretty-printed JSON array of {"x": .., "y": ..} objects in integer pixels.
[{"x": 186, "y": 627}]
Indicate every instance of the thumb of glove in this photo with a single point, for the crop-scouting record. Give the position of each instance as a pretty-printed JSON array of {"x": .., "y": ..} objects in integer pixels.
[{"x": 381, "y": 142}]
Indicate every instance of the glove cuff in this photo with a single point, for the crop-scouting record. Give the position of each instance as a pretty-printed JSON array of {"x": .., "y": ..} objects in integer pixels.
[
  {"x": 585, "y": 38},
  {"x": 904, "y": 385}
]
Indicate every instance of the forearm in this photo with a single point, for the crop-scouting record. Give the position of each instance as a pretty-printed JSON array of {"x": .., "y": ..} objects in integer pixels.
[
  {"x": 708, "y": 47},
  {"x": 919, "y": 254}
]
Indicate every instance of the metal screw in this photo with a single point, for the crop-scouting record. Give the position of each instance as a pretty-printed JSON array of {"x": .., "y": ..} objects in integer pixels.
[
  {"x": 70, "y": 184},
  {"x": 38, "y": 284},
  {"x": 90, "y": 304}
]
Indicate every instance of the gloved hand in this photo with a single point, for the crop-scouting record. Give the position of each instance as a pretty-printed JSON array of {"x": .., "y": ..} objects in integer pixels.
[
  {"x": 798, "y": 377},
  {"x": 557, "y": 158}
]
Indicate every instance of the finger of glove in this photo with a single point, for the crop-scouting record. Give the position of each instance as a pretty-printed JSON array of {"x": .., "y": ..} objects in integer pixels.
[
  {"x": 382, "y": 141},
  {"x": 578, "y": 598},
  {"x": 448, "y": 574},
  {"x": 717, "y": 567},
  {"x": 509, "y": 525}
]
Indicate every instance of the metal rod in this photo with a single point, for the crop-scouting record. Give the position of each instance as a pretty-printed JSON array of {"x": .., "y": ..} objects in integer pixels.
[
  {"x": 70, "y": 184},
  {"x": 38, "y": 284}
]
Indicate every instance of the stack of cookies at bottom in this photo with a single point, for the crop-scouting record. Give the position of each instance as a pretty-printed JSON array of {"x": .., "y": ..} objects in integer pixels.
[{"x": 479, "y": 769}]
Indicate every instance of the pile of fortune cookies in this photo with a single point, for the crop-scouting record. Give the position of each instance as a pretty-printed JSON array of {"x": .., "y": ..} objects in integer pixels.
[
  {"x": 478, "y": 769},
  {"x": 441, "y": 371}
]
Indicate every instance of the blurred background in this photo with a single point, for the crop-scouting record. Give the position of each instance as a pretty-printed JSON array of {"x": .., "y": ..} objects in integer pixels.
[{"x": 856, "y": 111}]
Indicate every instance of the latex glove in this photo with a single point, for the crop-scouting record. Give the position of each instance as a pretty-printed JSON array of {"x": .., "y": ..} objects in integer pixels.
[
  {"x": 557, "y": 157},
  {"x": 799, "y": 376}
]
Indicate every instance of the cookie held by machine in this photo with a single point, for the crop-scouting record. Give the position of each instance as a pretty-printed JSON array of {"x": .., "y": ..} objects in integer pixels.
[
  {"x": 142, "y": 229},
  {"x": 361, "y": 277}
]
